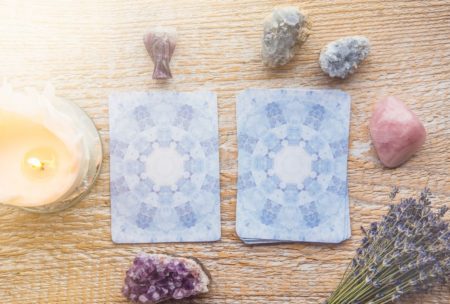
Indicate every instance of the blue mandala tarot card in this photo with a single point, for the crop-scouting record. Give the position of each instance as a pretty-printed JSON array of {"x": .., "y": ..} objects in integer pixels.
[
  {"x": 164, "y": 167},
  {"x": 292, "y": 158}
]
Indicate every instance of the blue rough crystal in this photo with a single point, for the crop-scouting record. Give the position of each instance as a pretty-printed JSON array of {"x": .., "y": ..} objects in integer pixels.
[{"x": 341, "y": 58}]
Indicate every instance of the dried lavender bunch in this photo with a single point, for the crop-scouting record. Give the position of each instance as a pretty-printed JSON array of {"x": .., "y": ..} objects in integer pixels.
[{"x": 407, "y": 252}]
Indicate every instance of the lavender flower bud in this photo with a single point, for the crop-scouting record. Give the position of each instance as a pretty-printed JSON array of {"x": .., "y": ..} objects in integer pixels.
[
  {"x": 443, "y": 210},
  {"x": 404, "y": 268},
  {"x": 393, "y": 193},
  {"x": 387, "y": 262}
]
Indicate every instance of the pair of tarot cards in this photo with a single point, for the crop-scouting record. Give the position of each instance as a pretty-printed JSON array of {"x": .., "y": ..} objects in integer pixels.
[{"x": 292, "y": 183}]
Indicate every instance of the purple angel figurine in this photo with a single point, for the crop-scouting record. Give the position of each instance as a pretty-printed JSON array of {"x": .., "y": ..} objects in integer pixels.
[{"x": 160, "y": 43}]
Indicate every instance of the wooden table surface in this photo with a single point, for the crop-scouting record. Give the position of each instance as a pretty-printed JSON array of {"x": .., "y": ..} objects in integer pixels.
[{"x": 90, "y": 48}]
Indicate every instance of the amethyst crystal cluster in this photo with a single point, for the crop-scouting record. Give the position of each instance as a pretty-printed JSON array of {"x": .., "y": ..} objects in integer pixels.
[{"x": 155, "y": 278}]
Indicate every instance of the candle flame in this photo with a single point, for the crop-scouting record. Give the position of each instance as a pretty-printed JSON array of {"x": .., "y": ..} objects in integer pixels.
[{"x": 35, "y": 163}]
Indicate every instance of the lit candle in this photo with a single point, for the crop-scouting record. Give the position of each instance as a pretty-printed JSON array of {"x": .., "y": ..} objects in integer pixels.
[{"x": 46, "y": 150}]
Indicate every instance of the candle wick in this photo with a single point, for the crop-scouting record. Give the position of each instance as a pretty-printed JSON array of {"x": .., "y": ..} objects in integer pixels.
[{"x": 36, "y": 163}]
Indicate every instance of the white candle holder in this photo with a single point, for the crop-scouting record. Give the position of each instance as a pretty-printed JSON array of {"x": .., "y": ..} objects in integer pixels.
[
  {"x": 90, "y": 171},
  {"x": 82, "y": 129},
  {"x": 52, "y": 177}
]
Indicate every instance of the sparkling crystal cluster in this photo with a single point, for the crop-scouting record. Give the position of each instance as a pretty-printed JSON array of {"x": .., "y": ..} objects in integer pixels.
[
  {"x": 284, "y": 29},
  {"x": 341, "y": 58},
  {"x": 156, "y": 278}
]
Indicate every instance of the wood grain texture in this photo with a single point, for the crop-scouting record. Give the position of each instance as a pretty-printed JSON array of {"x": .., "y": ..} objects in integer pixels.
[{"x": 90, "y": 48}]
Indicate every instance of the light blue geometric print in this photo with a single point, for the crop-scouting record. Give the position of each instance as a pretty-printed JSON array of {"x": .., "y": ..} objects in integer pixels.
[
  {"x": 292, "y": 156},
  {"x": 164, "y": 167}
]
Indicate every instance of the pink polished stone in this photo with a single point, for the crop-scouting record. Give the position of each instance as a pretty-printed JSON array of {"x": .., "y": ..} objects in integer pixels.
[{"x": 396, "y": 132}]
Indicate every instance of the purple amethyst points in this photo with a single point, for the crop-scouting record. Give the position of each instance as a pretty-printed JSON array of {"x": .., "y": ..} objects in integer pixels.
[
  {"x": 156, "y": 278},
  {"x": 160, "y": 43}
]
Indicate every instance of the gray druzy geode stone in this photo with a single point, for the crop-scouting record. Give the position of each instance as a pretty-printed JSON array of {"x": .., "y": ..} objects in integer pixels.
[
  {"x": 342, "y": 57},
  {"x": 284, "y": 29}
]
